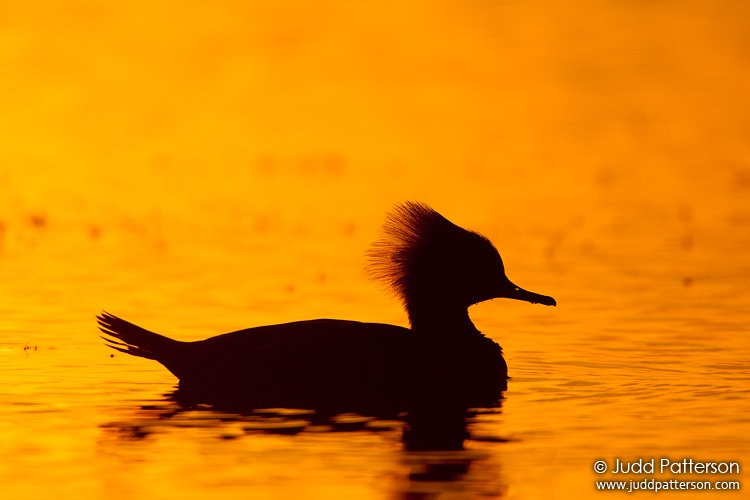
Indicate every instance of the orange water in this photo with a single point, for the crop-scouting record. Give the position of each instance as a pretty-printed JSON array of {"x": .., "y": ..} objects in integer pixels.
[{"x": 203, "y": 169}]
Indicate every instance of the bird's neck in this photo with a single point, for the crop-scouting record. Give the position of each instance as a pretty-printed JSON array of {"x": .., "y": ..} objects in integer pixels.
[{"x": 440, "y": 319}]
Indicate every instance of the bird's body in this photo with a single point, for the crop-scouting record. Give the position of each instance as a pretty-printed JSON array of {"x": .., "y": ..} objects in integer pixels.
[
  {"x": 437, "y": 268},
  {"x": 325, "y": 364}
]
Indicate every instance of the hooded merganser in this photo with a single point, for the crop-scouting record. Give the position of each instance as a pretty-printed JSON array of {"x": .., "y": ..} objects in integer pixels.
[{"x": 436, "y": 268}]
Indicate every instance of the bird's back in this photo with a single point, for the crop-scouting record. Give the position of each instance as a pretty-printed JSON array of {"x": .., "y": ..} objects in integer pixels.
[{"x": 307, "y": 364}]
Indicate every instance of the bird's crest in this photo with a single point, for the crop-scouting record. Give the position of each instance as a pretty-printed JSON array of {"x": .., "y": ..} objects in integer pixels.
[{"x": 418, "y": 244}]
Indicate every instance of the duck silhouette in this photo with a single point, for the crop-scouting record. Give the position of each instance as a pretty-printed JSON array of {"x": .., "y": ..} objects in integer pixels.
[{"x": 436, "y": 268}]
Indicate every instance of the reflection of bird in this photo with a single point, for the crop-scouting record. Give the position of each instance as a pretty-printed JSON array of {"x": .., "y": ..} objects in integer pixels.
[{"x": 436, "y": 268}]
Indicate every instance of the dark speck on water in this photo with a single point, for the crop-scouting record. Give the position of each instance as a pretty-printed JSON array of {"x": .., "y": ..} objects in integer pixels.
[{"x": 38, "y": 220}]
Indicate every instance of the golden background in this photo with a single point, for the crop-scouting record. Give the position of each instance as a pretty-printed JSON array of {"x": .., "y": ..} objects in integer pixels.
[{"x": 200, "y": 168}]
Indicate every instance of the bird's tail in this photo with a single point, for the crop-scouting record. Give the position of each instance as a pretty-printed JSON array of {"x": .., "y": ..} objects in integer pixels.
[{"x": 126, "y": 337}]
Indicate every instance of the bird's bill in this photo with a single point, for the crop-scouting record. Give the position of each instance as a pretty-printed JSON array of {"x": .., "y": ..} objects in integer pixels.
[{"x": 519, "y": 293}]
